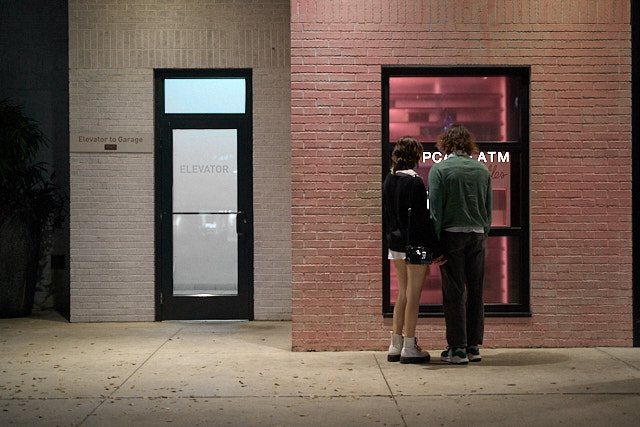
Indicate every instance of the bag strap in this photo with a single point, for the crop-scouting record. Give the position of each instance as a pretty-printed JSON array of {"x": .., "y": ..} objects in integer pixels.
[{"x": 409, "y": 212}]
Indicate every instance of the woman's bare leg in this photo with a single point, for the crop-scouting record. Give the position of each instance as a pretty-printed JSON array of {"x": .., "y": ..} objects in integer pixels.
[
  {"x": 415, "y": 279},
  {"x": 401, "y": 302}
]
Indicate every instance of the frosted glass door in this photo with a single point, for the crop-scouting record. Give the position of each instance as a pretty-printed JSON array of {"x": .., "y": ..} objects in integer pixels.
[{"x": 205, "y": 210}]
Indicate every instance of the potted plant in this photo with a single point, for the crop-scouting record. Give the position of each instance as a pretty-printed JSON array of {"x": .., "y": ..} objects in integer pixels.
[{"x": 30, "y": 204}]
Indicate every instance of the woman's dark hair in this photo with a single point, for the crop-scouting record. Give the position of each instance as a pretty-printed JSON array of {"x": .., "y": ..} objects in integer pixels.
[
  {"x": 406, "y": 154},
  {"x": 457, "y": 138}
]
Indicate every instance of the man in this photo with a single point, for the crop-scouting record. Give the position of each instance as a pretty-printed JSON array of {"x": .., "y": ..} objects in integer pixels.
[{"x": 460, "y": 201}]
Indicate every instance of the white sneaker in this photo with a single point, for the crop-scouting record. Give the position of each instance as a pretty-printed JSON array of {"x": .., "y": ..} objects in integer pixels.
[
  {"x": 412, "y": 353},
  {"x": 395, "y": 348}
]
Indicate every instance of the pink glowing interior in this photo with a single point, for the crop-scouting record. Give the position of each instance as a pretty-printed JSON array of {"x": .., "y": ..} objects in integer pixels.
[{"x": 424, "y": 107}]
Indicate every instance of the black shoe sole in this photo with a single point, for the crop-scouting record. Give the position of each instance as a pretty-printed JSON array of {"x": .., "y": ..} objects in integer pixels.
[
  {"x": 405, "y": 360},
  {"x": 393, "y": 358}
]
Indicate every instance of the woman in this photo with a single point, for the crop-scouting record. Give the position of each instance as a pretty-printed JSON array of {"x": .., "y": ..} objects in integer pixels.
[{"x": 402, "y": 189}]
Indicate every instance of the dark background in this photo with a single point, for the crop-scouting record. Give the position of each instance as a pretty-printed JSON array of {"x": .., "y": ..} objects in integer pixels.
[{"x": 34, "y": 73}]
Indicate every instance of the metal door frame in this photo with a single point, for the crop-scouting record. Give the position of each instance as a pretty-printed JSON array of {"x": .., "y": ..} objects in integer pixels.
[{"x": 198, "y": 309}]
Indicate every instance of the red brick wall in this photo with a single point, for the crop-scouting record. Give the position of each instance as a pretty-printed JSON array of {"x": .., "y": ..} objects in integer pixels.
[{"x": 580, "y": 161}]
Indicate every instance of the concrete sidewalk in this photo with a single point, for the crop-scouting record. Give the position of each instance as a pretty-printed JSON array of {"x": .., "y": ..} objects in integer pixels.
[{"x": 53, "y": 373}]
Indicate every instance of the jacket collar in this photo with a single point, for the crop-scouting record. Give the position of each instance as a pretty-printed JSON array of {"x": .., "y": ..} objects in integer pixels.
[{"x": 409, "y": 172}]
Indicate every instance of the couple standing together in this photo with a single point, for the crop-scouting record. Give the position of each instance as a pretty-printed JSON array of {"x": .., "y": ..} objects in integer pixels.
[{"x": 453, "y": 222}]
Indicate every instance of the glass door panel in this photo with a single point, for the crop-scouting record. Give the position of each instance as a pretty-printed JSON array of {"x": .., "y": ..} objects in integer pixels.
[
  {"x": 205, "y": 170},
  {"x": 205, "y": 255},
  {"x": 205, "y": 207}
]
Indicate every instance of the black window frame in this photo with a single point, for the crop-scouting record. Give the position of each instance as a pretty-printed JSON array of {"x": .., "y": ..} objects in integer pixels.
[{"x": 520, "y": 199}]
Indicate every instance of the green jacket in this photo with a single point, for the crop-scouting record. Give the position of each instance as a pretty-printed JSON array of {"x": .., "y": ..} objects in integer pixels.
[{"x": 460, "y": 194}]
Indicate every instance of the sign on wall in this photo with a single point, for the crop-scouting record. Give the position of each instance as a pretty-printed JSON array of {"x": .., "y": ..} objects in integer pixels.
[{"x": 111, "y": 142}]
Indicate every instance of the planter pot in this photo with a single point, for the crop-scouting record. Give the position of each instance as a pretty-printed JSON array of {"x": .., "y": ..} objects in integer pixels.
[{"x": 19, "y": 258}]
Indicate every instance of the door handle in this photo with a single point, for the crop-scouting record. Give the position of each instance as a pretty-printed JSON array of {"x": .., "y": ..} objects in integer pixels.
[{"x": 241, "y": 222}]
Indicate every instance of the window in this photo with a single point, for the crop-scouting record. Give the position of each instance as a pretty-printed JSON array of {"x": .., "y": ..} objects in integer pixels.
[
  {"x": 204, "y": 96},
  {"x": 493, "y": 103}
]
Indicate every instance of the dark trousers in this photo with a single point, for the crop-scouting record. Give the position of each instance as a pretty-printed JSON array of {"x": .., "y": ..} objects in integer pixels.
[{"x": 462, "y": 286}]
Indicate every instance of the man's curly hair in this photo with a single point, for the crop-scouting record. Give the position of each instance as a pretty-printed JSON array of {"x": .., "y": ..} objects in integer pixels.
[
  {"x": 406, "y": 154},
  {"x": 457, "y": 138}
]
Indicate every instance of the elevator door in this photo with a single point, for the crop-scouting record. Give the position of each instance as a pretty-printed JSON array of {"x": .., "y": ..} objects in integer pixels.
[{"x": 204, "y": 259}]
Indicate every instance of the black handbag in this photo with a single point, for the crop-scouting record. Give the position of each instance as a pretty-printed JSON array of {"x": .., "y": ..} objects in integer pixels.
[{"x": 415, "y": 254}]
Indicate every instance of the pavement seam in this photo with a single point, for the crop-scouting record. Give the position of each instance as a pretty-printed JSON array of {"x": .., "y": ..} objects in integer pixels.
[
  {"x": 390, "y": 391},
  {"x": 328, "y": 396},
  {"x": 600, "y": 349},
  {"x": 533, "y": 393},
  {"x": 110, "y": 395},
  {"x": 254, "y": 396}
]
